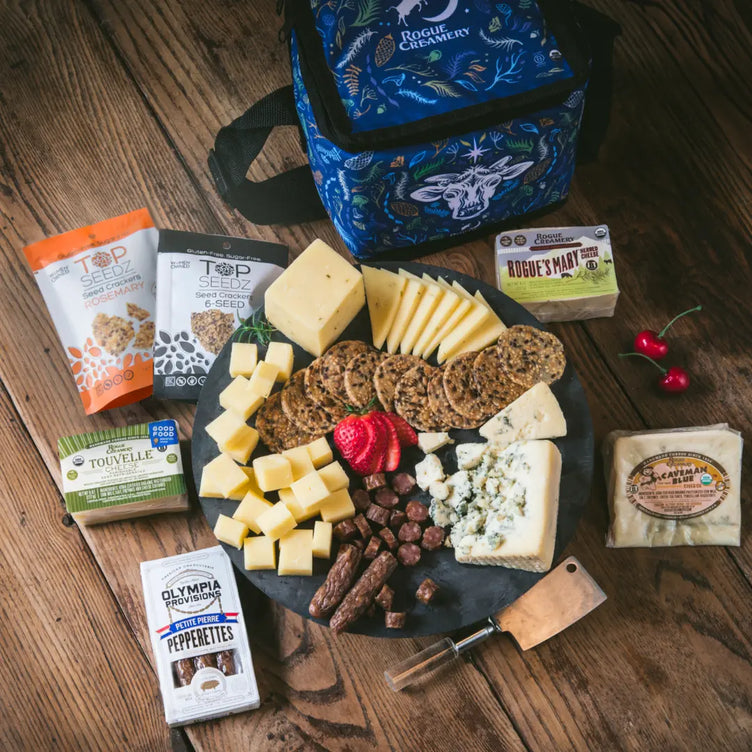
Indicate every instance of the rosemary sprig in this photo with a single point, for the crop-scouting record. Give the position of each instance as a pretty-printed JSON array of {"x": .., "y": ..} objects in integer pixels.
[
  {"x": 255, "y": 327},
  {"x": 352, "y": 410}
]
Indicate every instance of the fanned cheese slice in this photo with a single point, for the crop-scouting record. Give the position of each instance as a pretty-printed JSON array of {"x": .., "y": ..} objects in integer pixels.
[
  {"x": 423, "y": 313},
  {"x": 444, "y": 309},
  {"x": 410, "y": 299},
  {"x": 383, "y": 294},
  {"x": 453, "y": 343},
  {"x": 459, "y": 313},
  {"x": 487, "y": 334}
]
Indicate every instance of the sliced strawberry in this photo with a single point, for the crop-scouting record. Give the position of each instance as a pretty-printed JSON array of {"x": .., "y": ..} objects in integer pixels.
[
  {"x": 393, "y": 450},
  {"x": 373, "y": 457},
  {"x": 350, "y": 436},
  {"x": 407, "y": 437}
]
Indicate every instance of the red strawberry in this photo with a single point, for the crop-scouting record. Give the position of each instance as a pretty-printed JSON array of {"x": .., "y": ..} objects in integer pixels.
[
  {"x": 373, "y": 457},
  {"x": 407, "y": 437},
  {"x": 393, "y": 450},
  {"x": 350, "y": 436}
]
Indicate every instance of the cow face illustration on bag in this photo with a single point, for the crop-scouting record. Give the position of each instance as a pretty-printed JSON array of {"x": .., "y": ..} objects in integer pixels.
[{"x": 469, "y": 193}]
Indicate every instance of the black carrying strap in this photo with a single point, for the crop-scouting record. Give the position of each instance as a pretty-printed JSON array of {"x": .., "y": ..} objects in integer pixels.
[
  {"x": 291, "y": 197},
  {"x": 600, "y": 31},
  {"x": 287, "y": 198}
]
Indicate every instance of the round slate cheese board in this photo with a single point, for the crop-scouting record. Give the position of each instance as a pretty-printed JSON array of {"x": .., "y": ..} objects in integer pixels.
[{"x": 468, "y": 593}]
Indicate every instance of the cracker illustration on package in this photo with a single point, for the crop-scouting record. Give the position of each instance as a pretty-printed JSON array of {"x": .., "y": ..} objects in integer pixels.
[
  {"x": 98, "y": 283},
  {"x": 558, "y": 273}
]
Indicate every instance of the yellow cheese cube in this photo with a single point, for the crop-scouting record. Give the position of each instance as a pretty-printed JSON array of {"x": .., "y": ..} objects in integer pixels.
[
  {"x": 334, "y": 476},
  {"x": 276, "y": 521},
  {"x": 243, "y": 357},
  {"x": 259, "y": 553},
  {"x": 230, "y": 531},
  {"x": 320, "y": 451},
  {"x": 300, "y": 461},
  {"x": 225, "y": 476},
  {"x": 280, "y": 354},
  {"x": 226, "y": 426},
  {"x": 337, "y": 507},
  {"x": 237, "y": 397},
  {"x": 296, "y": 553},
  {"x": 241, "y": 446},
  {"x": 252, "y": 485},
  {"x": 310, "y": 491},
  {"x": 287, "y": 497},
  {"x": 263, "y": 378},
  {"x": 250, "y": 509},
  {"x": 272, "y": 472},
  {"x": 322, "y": 539},
  {"x": 210, "y": 486},
  {"x": 315, "y": 298}
]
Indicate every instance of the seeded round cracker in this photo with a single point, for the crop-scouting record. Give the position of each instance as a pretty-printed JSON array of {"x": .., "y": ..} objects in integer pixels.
[
  {"x": 276, "y": 430},
  {"x": 302, "y": 410},
  {"x": 461, "y": 390},
  {"x": 493, "y": 381},
  {"x": 411, "y": 397},
  {"x": 388, "y": 373},
  {"x": 316, "y": 390},
  {"x": 359, "y": 385},
  {"x": 444, "y": 414},
  {"x": 333, "y": 364},
  {"x": 529, "y": 355}
]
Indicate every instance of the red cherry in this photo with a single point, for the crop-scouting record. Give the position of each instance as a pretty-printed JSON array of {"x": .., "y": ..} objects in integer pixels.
[
  {"x": 674, "y": 380},
  {"x": 650, "y": 343}
]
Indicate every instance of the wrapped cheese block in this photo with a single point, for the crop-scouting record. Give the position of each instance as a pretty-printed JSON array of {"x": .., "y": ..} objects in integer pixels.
[{"x": 674, "y": 487}]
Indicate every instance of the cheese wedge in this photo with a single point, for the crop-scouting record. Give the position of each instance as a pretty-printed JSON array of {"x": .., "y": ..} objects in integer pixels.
[
  {"x": 452, "y": 344},
  {"x": 432, "y": 296},
  {"x": 315, "y": 298},
  {"x": 383, "y": 294},
  {"x": 444, "y": 309},
  {"x": 531, "y": 471},
  {"x": 534, "y": 415},
  {"x": 410, "y": 299}
]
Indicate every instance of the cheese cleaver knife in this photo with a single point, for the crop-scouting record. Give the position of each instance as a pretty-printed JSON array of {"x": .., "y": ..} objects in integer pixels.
[{"x": 558, "y": 600}]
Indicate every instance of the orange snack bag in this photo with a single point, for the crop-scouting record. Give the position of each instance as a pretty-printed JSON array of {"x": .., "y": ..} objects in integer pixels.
[{"x": 99, "y": 286}]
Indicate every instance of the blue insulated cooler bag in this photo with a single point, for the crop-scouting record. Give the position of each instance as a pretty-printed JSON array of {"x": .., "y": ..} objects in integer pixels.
[{"x": 426, "y": 122}]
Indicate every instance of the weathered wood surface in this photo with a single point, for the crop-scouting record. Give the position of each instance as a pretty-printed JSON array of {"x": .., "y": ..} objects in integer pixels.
[{"x": 107, "y": 106}]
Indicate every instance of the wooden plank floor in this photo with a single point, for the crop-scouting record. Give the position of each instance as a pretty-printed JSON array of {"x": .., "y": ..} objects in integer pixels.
[{"x": 108, "y": 105}]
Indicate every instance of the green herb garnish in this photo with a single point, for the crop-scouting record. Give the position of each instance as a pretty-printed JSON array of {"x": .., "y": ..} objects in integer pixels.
[{"x": 255, "y": 327}]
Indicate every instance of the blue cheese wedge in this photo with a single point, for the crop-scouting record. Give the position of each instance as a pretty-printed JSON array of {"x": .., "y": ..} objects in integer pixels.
[
  {"x": 534, "y": 415},
  {"x": 503, "y": 509},
  {"x": 120, "y": 473},
  {"x": 674, "y": 487}
]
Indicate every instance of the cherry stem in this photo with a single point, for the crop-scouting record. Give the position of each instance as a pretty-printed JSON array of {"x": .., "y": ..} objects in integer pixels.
[
  {"x": 676, "y": 318},
  {"x": 640, "y": 355}
]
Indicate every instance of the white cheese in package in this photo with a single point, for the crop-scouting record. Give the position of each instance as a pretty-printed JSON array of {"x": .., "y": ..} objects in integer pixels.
[
  {"x": 199, "y": 637},
  {"x": 674, "y": 487}
]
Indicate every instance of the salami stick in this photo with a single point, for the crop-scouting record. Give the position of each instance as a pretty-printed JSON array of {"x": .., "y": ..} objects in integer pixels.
[
  {"x": 337, "y": 582},
  {"x": 363, "y": 592}
]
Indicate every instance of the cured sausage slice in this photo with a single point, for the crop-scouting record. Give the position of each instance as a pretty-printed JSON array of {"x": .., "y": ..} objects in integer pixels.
[
  {"x": 409, "y": 532},
  {"x": 433, "y": 537},
  {"x": 416, "y": 511},
  {"x": 408, "y": 554}
]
